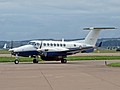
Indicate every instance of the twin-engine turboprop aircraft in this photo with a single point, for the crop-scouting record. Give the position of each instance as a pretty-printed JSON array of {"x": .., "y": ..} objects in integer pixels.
[{"x": 58, "y": 50}]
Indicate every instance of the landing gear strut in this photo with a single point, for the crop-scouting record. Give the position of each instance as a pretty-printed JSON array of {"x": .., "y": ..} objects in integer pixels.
[
  {"x": 63, "y": 61},
  {"x": 35, "y": 60},
  {"x": 17, "y": 59}
]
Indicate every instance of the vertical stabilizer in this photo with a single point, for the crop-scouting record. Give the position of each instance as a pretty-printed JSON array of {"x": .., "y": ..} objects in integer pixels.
[
  {"x": 5, "y": 46},
  {"x": 92, "y": 36}
]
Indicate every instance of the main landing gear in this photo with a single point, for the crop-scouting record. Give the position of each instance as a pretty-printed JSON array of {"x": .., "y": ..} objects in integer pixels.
[
  {"x": 35, "y": 60},
  {"x": 63, "y": 60}
]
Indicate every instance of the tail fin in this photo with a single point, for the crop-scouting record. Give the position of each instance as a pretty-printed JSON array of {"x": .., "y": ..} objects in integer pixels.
[
  {"x": 92, "y": 36},
  {"x": 5, "y": 46}
]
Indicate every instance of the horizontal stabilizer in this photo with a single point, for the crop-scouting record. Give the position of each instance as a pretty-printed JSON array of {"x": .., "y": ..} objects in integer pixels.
[{"x": 99, "y": 28}]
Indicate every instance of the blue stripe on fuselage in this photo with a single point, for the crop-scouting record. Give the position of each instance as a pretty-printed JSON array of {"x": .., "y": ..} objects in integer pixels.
[
  {"x": 26, "y": 53},
  {"x": 52, "y": 54},
  {"x": 61, "y": 53}
]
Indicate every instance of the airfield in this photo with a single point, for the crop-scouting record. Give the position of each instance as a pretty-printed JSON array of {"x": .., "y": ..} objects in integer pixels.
[{"x": 75, "y": 75}]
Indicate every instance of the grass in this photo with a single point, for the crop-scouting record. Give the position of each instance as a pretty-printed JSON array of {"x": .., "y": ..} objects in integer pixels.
[
  {"x": 72, "y": 58},
  {"x": 11, "y": 59},
  {"x": 117, "y": 64},
  {"x": 6, "y": 59},
  {"x": 4, "y": 52},
  {"x": 105, "y": 51}
]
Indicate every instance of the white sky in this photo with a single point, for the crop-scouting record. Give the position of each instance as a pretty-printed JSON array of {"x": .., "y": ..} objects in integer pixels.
[{"x": 56, "y": 19}]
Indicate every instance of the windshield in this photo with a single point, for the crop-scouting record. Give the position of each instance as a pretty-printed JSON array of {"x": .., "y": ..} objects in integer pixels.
[
  {"x": 36, "y": 45},
  {"x": 31, "y": 43}
]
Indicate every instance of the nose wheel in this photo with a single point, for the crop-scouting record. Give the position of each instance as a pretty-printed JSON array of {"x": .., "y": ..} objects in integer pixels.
[{"x": 16, "y": 61}]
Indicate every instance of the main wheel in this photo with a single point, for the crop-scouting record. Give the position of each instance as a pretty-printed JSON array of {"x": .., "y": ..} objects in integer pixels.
[
  {"x": 35, "y": 61},
  {"x": 16, "y": 61},
  {"x": 63, "y": 61}
]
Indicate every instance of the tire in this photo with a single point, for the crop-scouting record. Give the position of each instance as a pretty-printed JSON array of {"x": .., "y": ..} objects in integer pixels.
[
  {"x": 35, "y": 61},
  {"x": 63, "y": 61},
  {"x": 16, "y": 61}
]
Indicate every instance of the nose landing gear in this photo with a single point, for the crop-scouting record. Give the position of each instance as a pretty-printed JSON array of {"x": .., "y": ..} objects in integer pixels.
[{"x": 17, "y": 59}]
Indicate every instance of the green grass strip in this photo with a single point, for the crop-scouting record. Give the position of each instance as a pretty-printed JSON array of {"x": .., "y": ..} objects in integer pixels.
[
  {"x": 11, "y": 59},
  {"x": 117, "y": 64},
  {"x": 4, "y": 52},
  {"x": 70, "y": 58}
]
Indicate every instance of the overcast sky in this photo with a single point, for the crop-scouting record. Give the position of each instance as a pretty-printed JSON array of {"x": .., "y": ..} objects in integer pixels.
[{"x": 56, "y": 19}]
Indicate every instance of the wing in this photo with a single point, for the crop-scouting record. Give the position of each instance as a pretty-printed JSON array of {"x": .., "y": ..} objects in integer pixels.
[{"x": 62, "y": 51}]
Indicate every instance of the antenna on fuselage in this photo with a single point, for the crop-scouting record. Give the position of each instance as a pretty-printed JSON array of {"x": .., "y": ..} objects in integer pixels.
[{"x": 63, "y": 40}]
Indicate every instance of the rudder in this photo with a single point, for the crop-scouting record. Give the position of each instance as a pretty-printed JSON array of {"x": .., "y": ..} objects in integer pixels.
[{"x": 92, "y": 36}]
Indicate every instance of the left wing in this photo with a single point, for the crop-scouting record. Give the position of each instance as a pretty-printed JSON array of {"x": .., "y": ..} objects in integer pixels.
[{"x": 62, "y": 51}]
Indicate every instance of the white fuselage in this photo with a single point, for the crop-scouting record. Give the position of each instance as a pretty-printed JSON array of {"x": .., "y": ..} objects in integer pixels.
[
  {"x": 56, "y": 45},
  {"x": 35, "y": 47}
]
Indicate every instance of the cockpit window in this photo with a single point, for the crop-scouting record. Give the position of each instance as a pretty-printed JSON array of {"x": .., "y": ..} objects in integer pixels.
[
  {"x": 37, "y": 44},
  {"x": 31, "y": 43}
]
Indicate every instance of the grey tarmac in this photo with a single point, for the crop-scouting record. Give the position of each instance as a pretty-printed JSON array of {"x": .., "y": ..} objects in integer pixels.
[{"x": 75, "y": 75}]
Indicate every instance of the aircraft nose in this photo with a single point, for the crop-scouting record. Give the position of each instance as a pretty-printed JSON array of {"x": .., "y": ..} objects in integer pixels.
[{"x": 11, "y": 50}]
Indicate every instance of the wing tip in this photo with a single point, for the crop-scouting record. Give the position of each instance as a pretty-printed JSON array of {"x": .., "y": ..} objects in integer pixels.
[{"x": 99, "y": 28}]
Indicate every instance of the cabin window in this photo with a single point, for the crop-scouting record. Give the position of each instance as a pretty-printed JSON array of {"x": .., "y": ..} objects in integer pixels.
[
  {"x": 54, "y": 44},
  {"x": 64, "y": 45},
  {"x": 44, "y": 44},
  {"x": 58, "y": 45},
  {"x": 61, "y": 45},
  {"x": 51, "y": 44},
  {"x": 47, "y": 44},
  {"x": 74, "y": 45}
]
